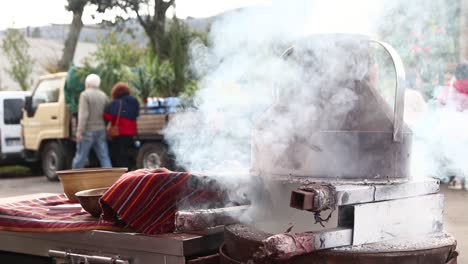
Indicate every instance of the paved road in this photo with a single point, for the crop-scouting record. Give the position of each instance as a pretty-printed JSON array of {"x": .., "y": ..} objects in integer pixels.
[
  {"x": 456, "y": 209},
  {"x": 20, "y": 186}
]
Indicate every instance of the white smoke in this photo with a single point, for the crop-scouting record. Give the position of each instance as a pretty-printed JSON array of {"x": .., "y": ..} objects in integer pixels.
[
  {"x": 241, "y": 68},
  {"x": 440, "y": 143},
  {"x": 240, "y": 72}
]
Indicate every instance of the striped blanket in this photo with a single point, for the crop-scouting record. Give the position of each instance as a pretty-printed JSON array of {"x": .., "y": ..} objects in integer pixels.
[
  {"x": 147, "y": 200},
  {"x": 32, "y": 216}
]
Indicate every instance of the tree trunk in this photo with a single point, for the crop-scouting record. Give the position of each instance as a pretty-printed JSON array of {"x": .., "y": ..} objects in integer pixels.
[
  {"x": 463, "y": 41},
  {"x": 72, "y": 40},
  {"x": 155, "y": 41},
  {"x": 156, "y": 27}
]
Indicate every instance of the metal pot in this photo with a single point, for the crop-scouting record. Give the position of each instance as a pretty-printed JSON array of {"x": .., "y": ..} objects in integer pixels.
[{"x": 343, "y": 128}]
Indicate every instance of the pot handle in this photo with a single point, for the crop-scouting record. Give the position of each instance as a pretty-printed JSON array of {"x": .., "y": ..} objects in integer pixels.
[
  {"x": 398, "y": 122},
  {"x": 399, "y": 109}
]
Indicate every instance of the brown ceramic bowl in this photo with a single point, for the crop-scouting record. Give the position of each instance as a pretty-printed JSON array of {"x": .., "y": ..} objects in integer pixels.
[
  {"x": 77, "y": 180},
  {"x": 89, "y": 200}
]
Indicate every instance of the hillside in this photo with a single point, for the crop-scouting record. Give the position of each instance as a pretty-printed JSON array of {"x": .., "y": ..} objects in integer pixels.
[
  {"x": 92, "y": 33},
  {"x": 47, "y": 43},
  {"x": 43, "y": 51}
]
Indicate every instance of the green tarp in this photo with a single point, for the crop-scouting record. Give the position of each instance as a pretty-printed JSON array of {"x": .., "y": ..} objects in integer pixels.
[{"x": 73, "y": 87}]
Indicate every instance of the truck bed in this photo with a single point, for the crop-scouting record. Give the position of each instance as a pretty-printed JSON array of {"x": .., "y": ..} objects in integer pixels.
[{"x": 150, "y": 124}]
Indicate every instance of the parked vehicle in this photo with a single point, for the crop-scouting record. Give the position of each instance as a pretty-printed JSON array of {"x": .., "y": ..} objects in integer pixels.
[
  {"x": 11, "y": 142},
  {"x": 49, "y": 129}
]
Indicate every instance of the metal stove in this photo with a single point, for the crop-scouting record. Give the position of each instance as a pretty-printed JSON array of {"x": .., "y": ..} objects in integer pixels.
[{"x": 349, "y": 167}]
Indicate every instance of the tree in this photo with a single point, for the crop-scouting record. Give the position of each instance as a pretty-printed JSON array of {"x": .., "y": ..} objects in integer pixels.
[
  {"x": 153, "y": 21},
  {"x": 50, "y": 64},
  {"x": 36, "y": 33},
  {"x": 15, "y": 47},
  {"x": 426, "y": 38},
  {"x": 154, "y": 78},
  {"x": 77, "y": 7},
  {"x": 114, "y": 60},
  {"x": 178, "y": 40}
]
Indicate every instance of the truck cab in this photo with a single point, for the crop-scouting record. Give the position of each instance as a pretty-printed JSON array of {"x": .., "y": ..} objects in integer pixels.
[{"x": 45, "y": 125}]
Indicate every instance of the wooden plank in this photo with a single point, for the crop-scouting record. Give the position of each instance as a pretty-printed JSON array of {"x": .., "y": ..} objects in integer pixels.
[
  {"x": 148, "y": 124},
  {"x": 152, "y": 117},
  {"x": 150, "y": 121},
  {"x": 149, "y": 133},
  {"x": 152, "y": 125},
  {"x": 149, "y": 128}
]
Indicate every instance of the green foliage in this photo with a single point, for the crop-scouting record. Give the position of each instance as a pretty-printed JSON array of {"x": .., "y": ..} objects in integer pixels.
[
  {"x": 187, "y": 97},
  {"x": 178, "y": 40},
  {"x": 114, "y": 60},
  {"x": 167, "y": 75},
  {"x": 114, "y": 52},
  {"x": 153, "y": 78},
  {"x": 426, "y": 39},
  {"x": 15, "y": 47},
  {"x": 50, "y": 64},
  {"x": 36, "y": 33},
  {"x": 76, "y": 5},
  {"x": 152, "y": 21},
  {"x": 148, "y": 74}
]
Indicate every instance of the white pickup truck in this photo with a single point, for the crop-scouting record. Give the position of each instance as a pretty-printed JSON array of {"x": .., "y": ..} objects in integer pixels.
[{"x": 11, "y": 140}]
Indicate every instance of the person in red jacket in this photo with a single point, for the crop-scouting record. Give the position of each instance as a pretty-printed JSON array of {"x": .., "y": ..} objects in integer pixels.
[
  {"x": 456, "y": 94},
  {"x": 122, "y": 112}
]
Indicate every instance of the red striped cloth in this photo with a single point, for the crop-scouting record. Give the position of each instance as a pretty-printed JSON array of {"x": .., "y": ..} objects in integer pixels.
[
  {"x": 32, "y": 216},
  {"x": 147, "y": 200}
]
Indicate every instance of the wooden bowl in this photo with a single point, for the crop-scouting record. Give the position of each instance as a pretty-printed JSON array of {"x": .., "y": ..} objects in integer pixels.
[
  {"x": 89, "y": 200},
  {"x": 77, "y": 180}
]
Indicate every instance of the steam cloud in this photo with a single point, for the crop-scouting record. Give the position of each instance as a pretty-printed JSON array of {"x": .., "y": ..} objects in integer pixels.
[
  {"x": 242, "y": 66},
  {"x": 239, "y": 72},
  {"x": 440, "y": 140}
]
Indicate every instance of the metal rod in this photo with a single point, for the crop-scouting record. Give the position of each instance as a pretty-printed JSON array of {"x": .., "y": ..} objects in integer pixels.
[
  {"x": 205, "y": 218},
  {"x": 87, "y": 258},
  {"x": 285, "y": 246}
]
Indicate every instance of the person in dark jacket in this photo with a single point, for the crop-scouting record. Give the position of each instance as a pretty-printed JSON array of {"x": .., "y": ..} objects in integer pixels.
[{"x": 123, "y": 112}]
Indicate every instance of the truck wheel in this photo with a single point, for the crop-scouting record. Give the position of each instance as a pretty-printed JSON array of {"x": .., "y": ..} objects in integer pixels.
[
  {"x": 152, "y": 156},
  {"x": 53, "y": 159}
]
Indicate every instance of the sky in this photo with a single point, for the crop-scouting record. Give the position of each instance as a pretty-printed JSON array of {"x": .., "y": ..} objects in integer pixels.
[{"x": 23, "y": 13}]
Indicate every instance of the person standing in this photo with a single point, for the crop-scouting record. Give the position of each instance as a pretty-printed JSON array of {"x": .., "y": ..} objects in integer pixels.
[
  {"x": 122, "y": 112},
  {"x": 91, "y": 131}
]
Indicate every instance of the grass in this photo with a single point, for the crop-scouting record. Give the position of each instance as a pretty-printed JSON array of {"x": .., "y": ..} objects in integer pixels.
[{"x": 14, "y": 171}]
